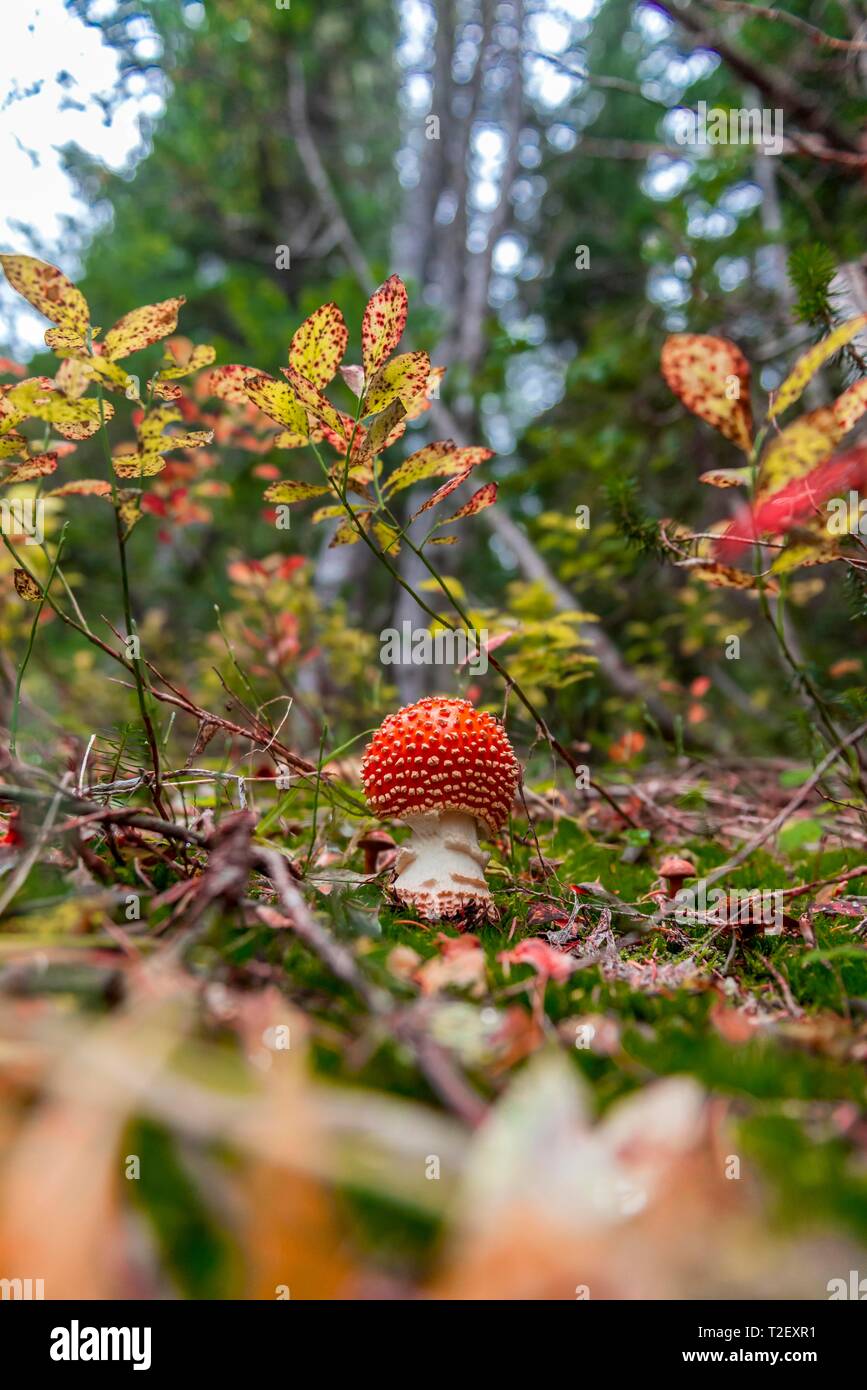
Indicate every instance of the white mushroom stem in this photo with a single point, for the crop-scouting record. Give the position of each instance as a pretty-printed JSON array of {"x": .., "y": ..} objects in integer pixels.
[{"x": 441, "y": 870}]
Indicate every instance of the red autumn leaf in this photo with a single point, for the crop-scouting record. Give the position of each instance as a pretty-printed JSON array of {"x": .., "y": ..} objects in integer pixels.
[
  {"x": 799, "y": 501},
  {"x": 485, "y": 497},
  {"x": 629, "y": 746},
  {"x": 82, "y": 487},
  {"x": 442, "y": 492},
  {"x": 546, "y": 960}
]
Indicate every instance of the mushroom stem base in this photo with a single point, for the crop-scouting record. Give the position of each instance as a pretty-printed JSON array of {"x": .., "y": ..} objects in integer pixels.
[{"x": 441, "y": 870}]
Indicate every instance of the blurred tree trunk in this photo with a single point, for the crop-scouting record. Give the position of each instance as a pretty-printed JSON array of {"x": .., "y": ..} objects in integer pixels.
[{"x": 457, "y": 280}]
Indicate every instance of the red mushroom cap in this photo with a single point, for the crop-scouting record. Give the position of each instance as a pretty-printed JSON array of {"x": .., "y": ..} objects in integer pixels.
[
  {"x": 441, "y": 755},
  {"x": 675, "y": 866}
]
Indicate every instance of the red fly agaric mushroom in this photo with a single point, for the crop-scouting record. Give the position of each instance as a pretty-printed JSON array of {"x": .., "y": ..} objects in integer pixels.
[{"x": 448, "y": 771}]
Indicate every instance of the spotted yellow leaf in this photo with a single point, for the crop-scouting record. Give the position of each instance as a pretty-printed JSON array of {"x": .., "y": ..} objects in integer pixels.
[
  {"x": 49, "y": 291},
  {"x": 153, "y": 425},
  {"x": 385, "y": 430},
  {"x": 360, "y": 475},
  {"x": 37, "y": 467},
  {"x": 192, "y": 439},
  {"x": 128, "y": 508},
  {"x": 388, "y": 537},
  {"x": 726, "y": 477},
  {"x": 74, "y": 419},
  {"x": 73, "y": 376},
  {"x": 313, "y": 401},
  {"x": 12, "y": 444},
  {"x": 288, "y": 439},
  {"x": 65, "y": 340},
  {"x": 14, "y": 409},
  {"x": 280, "y": 403},
  {"x": 141, "y": 327},
  {"x": 147, "y": 460},
  {"x": 82, "y": 487},
  {"x": 112, "y": 374},
  {"x": 327, "y": 513},
  {"x": 383, "y": 324},
  {"x": 182, "y": 357},
  {"x": 135, "y": 463},
  {"x": 164, "y": 390},
  {"x": 797, "y": 449},
  {"x": 289, "y": 491},
  {"x": 403, "y": 379},
  {"x": 712, "y": 378},
  {"x": 229, "y": 383},
  {"x": 718, "y": 576},
  {"x": 151, "y": 432},
  {"x": 317, "y": 347},
  {"x": 803, "y": 554},
  {"x": 809, "y": 363},
  {"x": 440, "y": 460},
  {"x": 422, "y": 402},
  {"x": 849, "y": 407},
  {"x": 347, "y": 533}
]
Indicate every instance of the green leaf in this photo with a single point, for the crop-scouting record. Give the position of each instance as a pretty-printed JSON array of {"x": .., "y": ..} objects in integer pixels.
[{"x": 797, "y": 835}]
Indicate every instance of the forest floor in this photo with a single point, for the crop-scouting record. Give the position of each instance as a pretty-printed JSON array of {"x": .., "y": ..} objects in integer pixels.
[{"x": 435, "y": 1095}]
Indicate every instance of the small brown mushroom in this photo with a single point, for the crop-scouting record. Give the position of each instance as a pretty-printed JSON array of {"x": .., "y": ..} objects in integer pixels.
[
  {"x": 374, "y": 843},
  {"x": 675, "y": 871}
]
